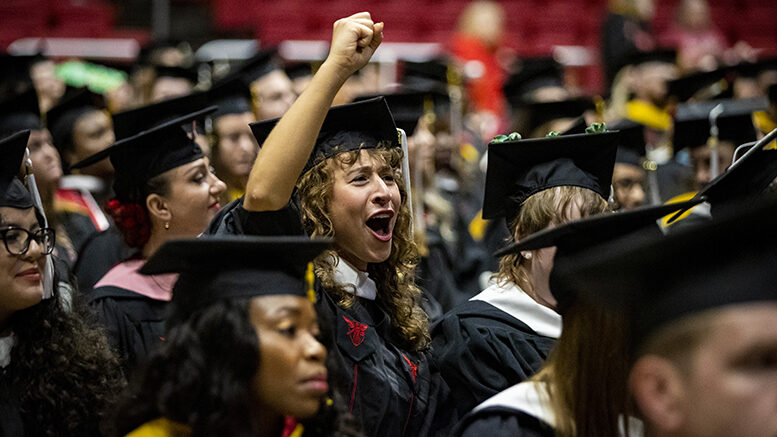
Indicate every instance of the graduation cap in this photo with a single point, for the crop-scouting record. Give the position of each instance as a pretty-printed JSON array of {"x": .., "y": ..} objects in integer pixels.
[
  {"x": 12, "y": 192},
  {"x": 61, "y": 119},
  {"x": 297, "y": 70},
  {"x": 631, "y": 147},
  {"x": 692, "y": 122},
  {"x": 753, "y": 69},
  {"x": 133, "y": 121},
  {"x": 408, "y": 106},
  {"x": 232, "y": 95},
  {"x": 15, "y": 73},
  {"x": 703, "y": 85},
  {"x": 19, "y": 112},
  {"x": 537, "y": 114},
  {"x": 661, "y": 55},
  {"x": 533, "y": 74},
  {"x": 259, "y": 65},
  {"x": 361, "y": 125},
  {"x": 426, "y": 76},
  {"x": 215, "y": 268},
  {"x": 744, "y": 179},
  {"x": 518, "y": 169},
  {"x": 189, "y": 74},
  {"x": 729, "y": 260},
  {"x": 578, "y": 235},
  {"x": 142, "y": 156}
]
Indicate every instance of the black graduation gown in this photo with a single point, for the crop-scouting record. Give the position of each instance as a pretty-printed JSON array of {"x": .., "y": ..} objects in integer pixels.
[
  {"x": 482, "y": 350},
  {"x": 389, "y": 391},
  {"x": 500, "y": 421},
  {"x": 99, "y": 254},
  {"x": 11, "y": 424},
  {"x": 134, "y": 324}
]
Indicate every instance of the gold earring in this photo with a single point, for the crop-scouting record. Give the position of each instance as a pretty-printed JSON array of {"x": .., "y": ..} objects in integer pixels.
[{"x": 167, "y": 225}]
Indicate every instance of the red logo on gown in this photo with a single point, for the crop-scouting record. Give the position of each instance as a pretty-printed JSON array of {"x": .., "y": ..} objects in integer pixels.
[
  {"x": 356, "y": 331},
  {"x": 413, "y": 367}
]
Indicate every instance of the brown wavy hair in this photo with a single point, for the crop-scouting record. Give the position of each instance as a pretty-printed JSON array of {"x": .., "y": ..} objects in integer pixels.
[
  {"x": 395, "y": 277},
  {"x": 539, "y": 211},
  {"x": 586, "y": 374}
]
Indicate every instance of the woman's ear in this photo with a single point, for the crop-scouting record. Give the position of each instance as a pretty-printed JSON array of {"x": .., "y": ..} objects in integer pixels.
[{"x": 157, "y": 207}]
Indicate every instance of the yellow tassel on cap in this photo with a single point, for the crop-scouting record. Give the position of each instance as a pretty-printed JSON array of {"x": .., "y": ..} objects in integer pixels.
[{"x": 310, "y": 279}]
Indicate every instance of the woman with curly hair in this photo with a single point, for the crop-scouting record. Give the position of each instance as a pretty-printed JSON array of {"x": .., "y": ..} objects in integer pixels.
[
  {"x": 57, "y": 374},
  {"x": 350, "y": 189},
  {"x": 241, "y": 356},
  {"x": 164, "y": 191},
  {"x": 502, "y": 335}
]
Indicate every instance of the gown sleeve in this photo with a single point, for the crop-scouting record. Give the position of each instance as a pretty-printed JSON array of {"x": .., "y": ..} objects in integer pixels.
[
  {"x": 481, "y": 352},
  {"x": 234, "y": 219}
]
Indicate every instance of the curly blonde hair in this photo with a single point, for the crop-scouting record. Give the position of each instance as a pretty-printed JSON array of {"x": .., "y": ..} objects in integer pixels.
[
  {"x": 540, "y": 210},
  {"x": 395, "y": 277}
]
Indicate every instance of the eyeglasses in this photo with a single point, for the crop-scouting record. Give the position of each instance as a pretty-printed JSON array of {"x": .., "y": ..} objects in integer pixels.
[{"x": 17, "y": 240}]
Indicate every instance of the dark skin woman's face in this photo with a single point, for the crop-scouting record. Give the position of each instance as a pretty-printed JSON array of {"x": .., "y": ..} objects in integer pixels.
[{"x": 292, "y": 378}]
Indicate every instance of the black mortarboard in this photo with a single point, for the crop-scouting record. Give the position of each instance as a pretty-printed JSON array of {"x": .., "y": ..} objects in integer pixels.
[
  {"x": 692, "y": 124},
  {"x": 705, "y": 85},
  {"x": 15, "y": 73},
  {"x": 408, "y": 106},
  {"x": 661, "y": 55},
  {"x": 189, "y": 74},
  {"x": 578, "y": 235},
  {"x": 19, "y": 112},
  {"x": 214, "y": 268},
  {"x": 133, "y": 121},
  {"x": 539, "y": 113},
  {"x": 727, "y": 261},
  {"x": 518, "y": 169},
  {"x": 140, "y": 157},
  {"x": 232, "y": 95},
  {"x": 61, "y": 119},
  {"x": 753, "y": 69},
  {"x": 362, "y": 125},
  {"x": 533, "y": 74},
  {"x": 12, "y": 191},
  {"x": 746, "y": 178},
  {"x": 298, "y": 69},
  {"x": 426, "y": 76},
  {"x": 631, "y": 147},
  {"x": 259, "y": 65}
]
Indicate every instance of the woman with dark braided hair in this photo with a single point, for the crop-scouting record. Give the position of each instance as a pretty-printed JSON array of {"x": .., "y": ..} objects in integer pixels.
[
  {"x": 58, "y": 376},
  {"x": 242, "y": 355},
  {"x": 164, "y": 191}
]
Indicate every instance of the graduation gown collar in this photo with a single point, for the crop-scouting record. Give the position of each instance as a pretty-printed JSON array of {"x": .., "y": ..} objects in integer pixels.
[
  {"x": 530, "y": 397},
  {"x": 514, "y": 301},
  {"x": 126, "y": 276},
  {"x": 347, "y": 274},
  {"x": 7, "y": 341}
]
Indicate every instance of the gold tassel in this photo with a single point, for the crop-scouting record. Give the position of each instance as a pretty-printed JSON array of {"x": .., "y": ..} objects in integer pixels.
[{"x": 310, "y": 279}]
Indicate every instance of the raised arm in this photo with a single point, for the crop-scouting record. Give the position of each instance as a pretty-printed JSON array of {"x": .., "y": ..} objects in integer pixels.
[{"x": 286, "y": 150}]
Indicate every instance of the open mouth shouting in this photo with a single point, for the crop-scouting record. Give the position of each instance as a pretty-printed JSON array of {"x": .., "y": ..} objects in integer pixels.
[{"x": 381, "y": 224}]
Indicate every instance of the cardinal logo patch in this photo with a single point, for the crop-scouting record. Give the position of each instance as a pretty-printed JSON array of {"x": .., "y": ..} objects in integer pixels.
[
  {"x": 413, "y": 366},
  {"x": 356, "y": 331}
]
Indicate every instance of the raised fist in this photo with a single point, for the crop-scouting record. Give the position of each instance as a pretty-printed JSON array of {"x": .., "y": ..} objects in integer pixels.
[{"x": 354, "y": 40}]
